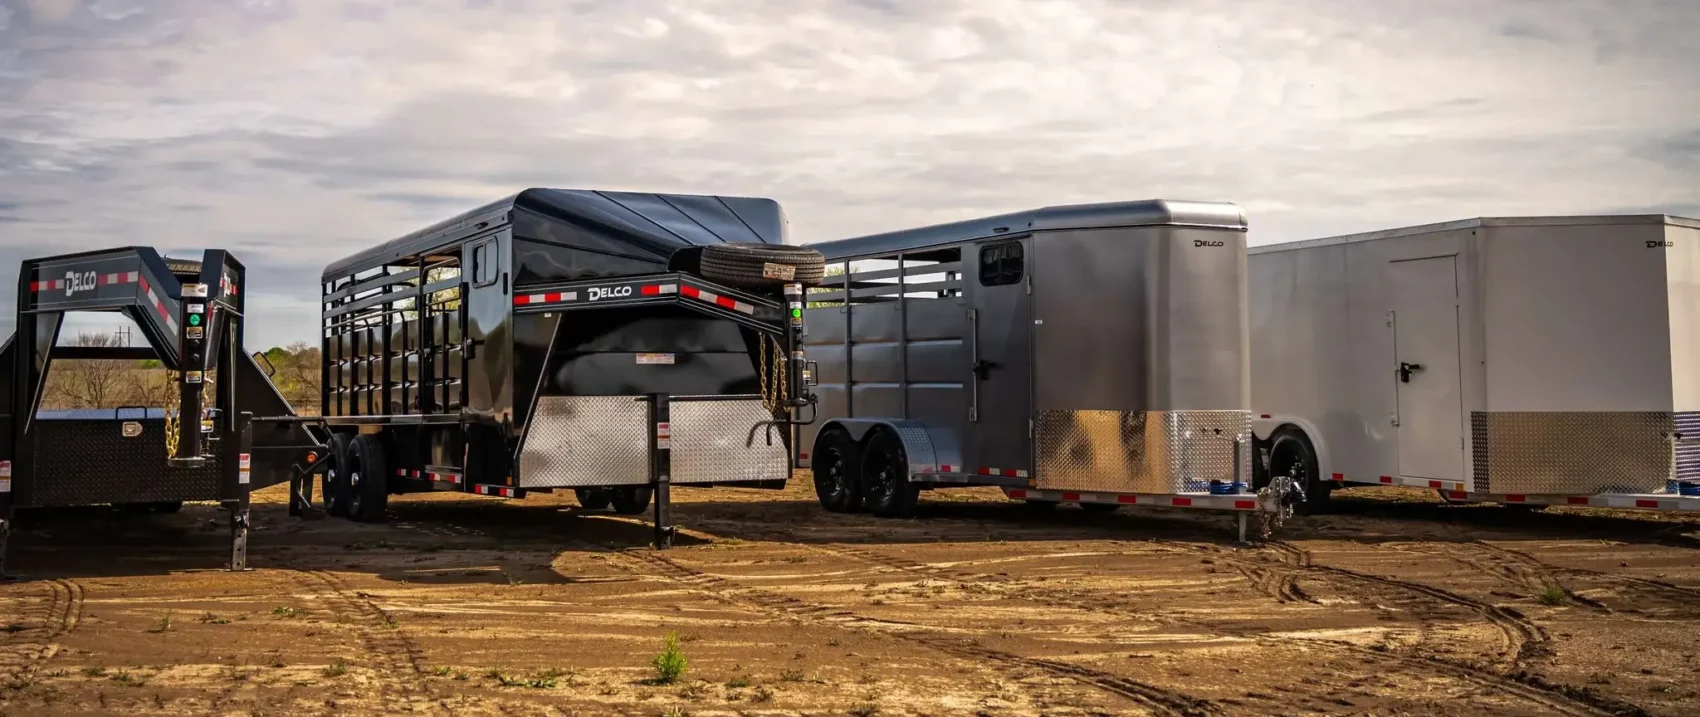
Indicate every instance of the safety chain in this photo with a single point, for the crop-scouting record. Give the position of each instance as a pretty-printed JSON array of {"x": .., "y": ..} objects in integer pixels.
[
  {"x": 173, "y": 423},
  {"x": 1280, "y": 491},
  {"x": 773, "y": 396}
]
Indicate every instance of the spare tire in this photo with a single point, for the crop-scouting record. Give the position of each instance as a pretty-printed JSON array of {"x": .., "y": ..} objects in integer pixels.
[{"x": 760, "y": 265}]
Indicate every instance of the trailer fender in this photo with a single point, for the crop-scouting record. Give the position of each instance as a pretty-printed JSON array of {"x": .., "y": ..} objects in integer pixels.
[
  {"x": 1264, "y": 426},
  {"x": 926, "y": 446}
]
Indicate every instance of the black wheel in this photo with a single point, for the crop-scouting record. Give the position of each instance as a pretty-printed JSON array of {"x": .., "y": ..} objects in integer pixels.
[
  {"x": 838, "y": 472},
  {"x": 630, "y": 500},
  {"x": 1290, "y": 455},
  {"x": 368, "y": 482},
  {"x": 593, "y": 498},
  {"x": 1100, "y": 507},
  {"x": 886, "y": 488},
  {"x": 336, "y": 476},
  {"x": 747, "y": 264}
]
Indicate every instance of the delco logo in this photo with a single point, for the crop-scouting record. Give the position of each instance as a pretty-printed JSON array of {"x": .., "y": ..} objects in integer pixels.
[
  {"x": 75, "y": 282},
  {"x": 610, "y": 292},
  {"x": 1657, "y": 244},
  {"x": 1202, "y": 242}
]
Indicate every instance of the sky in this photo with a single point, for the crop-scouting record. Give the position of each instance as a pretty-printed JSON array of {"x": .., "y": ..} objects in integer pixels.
[{"x": 294, "y": 132}]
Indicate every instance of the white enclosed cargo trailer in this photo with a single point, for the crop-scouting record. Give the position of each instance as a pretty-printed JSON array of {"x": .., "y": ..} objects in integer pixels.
[{"x": 1534, "y": 361}]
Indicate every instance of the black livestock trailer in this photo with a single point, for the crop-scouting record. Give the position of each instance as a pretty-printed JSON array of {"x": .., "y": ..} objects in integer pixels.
[{"x": 610, "y": 343}]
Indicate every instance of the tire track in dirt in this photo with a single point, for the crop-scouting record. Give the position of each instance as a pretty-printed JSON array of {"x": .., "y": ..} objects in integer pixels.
[
  {"x": 1556, "y": 699},
  {"x": 52, "y": 615},
  {"x": 392, "y": 655},
  {"x": 1514, "y": 569},
  {"x": 1677, "y": 593},
  {"x": 1157, "y": 699}
]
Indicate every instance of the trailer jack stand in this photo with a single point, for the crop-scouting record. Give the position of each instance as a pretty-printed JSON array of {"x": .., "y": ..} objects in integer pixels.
[
  {"x": 660, "y": 466},
  {"x": 239, "y": 539},
  {"x": 1244, "y": 520}
]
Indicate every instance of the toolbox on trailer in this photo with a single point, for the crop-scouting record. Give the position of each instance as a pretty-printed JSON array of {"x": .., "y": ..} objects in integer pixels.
[
  {"x": 1521, "y": 360},
  {"x": 1093, "y": 354},
  {"x": 226, "y": 432},
  {"x": 606, "y": 342}
]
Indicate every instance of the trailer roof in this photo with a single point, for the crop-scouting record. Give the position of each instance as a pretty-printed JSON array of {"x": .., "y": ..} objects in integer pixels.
[
  {"x": 651, "y": 224},
  {"x": 1153, "y": 212},
  {"x": 1549, "y": 221}
]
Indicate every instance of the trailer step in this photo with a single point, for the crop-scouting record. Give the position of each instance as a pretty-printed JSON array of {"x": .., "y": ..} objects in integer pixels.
[
  {"x": 1203, "y": 501},
  {"x": 499, "y": 491}
]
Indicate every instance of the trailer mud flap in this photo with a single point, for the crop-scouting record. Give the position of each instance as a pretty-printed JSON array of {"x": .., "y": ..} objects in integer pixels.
[{"x": 583, "y": 441}]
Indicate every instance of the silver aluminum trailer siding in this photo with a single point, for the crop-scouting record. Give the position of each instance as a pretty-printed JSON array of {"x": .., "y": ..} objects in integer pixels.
[
  {"x": 1095, "y": 354},
  {"x": 1534, "y": 360}
]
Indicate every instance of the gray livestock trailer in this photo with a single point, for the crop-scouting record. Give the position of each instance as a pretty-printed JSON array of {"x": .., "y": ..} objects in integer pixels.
[
  {"x": 1525, "y": 361},
  {"x": 1094, "y": 354}
]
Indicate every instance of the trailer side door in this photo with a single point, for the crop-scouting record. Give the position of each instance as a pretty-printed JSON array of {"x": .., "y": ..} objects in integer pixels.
[
  {"x": 1426, "y": 370},
  {"x": 1000, "y": 357}
]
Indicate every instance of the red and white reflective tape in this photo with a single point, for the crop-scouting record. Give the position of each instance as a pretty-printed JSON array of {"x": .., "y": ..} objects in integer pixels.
[
  {"x": 659, "y": 289},
  {"x": 5, "y": 476},
  {"x": 159, "y": 306},
  {"x": 430, "y": 476},
  {"x": 1626, "y": 501},
  {"x": 1006, "y": 472},
  {"x": 724, "y": 302},
  {"x": 496, "y": 490},
  {"x": 122, "y": 277},
  {"x": 1415, "y": 482},
  {"x": 1202, "y": 500},
  {"x": 244, "y": 463},
  {"x": 227, "y": 286},
  {"x": 549, "y": 298}
]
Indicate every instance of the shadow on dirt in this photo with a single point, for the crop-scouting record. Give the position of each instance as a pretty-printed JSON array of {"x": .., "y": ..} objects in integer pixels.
[{"x": 474, "y": 540}]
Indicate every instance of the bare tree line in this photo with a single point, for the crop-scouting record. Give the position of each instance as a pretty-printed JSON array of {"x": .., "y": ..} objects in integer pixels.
[{"x": 116, "y": 383}]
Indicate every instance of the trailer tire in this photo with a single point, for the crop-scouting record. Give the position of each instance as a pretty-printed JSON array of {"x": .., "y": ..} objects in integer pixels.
[
  {"x": 368, "y": 482},
  {"x": 837, "y": 468},
  {"x": 336, "y": 476},
  {"x": 886, "y": 489},
  {"x": 1291, "y": 454},
  {"x": 743, "y": 264},
  {"x": 593, "y": 498},
  {"x": 631, "y": 500}
]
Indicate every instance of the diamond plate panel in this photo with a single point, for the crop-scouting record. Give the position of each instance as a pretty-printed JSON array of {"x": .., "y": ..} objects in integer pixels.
[
  {"x": 90, "y": 462},
  {"x": 709, "y": 439},
  {"x": 1159, "y": 452},
  {"x": 919, "y": 449},
  {"x": 576, "y": 441},
  {"x": 1572, "y": 453}
]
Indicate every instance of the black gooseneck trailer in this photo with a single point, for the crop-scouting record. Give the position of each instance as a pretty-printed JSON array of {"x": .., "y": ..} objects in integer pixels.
[
  {"x": 567, "y": 339},
  {"x": 218, "y": 446}
]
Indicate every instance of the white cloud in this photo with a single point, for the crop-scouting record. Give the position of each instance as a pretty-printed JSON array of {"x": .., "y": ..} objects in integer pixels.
[{"x": 295, "y": 132}]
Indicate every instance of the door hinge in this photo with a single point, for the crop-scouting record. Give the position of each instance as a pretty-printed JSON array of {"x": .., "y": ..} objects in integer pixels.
[
  {"x": 1029, "y": 428},
  {"x": 1393, "y": 418},
  {"x": 1389, "y": 318},
  {"x": 973, "y": 413},
  {"x": 1029, "y": 283}
]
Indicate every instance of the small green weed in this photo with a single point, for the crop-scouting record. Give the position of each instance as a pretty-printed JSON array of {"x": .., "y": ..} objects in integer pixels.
[
  {"x": 671, "y": 663},
  {"x": 161, "y": 625},
  {"x": 791, "y": 676},
  {"x": 285, "y": 611},
  {"x": 1554, "y": 596},
  {"x": 739, "y": 682},
  {"x": 94, "y": 671},
  {"x": 208, "y": 618},
  {"x": 336, "y": 669}
]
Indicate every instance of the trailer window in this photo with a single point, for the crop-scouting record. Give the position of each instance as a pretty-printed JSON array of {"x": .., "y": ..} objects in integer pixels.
[
  {"x": 1000, "y": 264},
  {"x": 485, "y": 265}
]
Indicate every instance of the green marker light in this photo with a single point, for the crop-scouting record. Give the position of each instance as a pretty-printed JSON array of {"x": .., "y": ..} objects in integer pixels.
[
  {"x": 796, "y": 313},
  {"x": 194, "y": 319}
]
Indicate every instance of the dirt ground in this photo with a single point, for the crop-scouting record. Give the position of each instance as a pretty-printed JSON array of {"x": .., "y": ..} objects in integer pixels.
[{"x": 468, "y": 606}]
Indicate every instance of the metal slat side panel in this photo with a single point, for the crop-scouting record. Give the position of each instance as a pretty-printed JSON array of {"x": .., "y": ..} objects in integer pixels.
[
  {"x": 1155, "y": 452},
  {"x": 1688, "y": 450}
]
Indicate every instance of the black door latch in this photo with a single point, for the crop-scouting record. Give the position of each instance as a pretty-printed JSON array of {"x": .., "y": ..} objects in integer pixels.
[
  {"x": 982, "y": 367},
  {"x": 1405, "y": 370}
]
